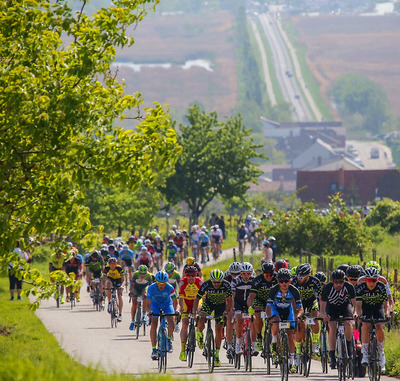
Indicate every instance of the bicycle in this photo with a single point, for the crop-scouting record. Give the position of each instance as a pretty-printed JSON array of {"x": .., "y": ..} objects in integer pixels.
[
  {"x": 374, "y": 369},
  {"x": 253, "y": 244},
  {"x": 247, "y": 343},
  {"x": 266, "y": 351},
  {"x": 344, "y": 366},
  {"x": 323, "y": 350},
  {"x": 139, "y": 317},
  {"x": 203, "y": 254},
  {"x": 114, "y": 309},
  {"x": 241, "y": 250},
  {"x": 209, "y": 345},
  {"x": 162, "y": 342},
  {"x": 306, "y": 348},
  {"x": 57, "y": 294},
  {"x": 97, "y": 297},
  {"x": 191, "y": 341}
]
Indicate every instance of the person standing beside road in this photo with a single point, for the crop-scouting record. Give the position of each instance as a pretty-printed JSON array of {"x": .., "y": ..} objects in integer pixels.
[
  {"x": 221, "y": 224},
  {"x": 272, "y": 245},
  {"x": 14, "y": 281}
]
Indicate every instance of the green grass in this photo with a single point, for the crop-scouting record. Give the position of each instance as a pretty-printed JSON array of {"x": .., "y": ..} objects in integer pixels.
[{"x": 309, "y": 79}]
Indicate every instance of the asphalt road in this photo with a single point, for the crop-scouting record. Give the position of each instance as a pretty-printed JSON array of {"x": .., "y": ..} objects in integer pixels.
[
  {"x": 88, "y": 337},
  {"x": 363, "y": 149}
]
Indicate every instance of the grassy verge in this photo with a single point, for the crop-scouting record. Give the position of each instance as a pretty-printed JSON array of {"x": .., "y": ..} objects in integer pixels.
[{"x": 309, "y": 79}]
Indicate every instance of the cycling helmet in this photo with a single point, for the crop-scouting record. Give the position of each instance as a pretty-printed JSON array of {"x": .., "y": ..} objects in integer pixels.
[
  {"x": 70, "y": 245},
  {"x": 216, "y": 227},
  {"x": 170, "y": 242},
  {"x": 95, "y": 253},
  {"x": 169, "y": 267},
  {"x": 217, "y": 275},
  {"x": 203, "y": 228},
  {"x": 125, "y": 247},
  {"x": 265, "y": 243},
  {"x": 111, "y": 247},
  {"x": 139, "y": 242},
  {"x": 142, "y": 269},
  {"x": 157, "y": 237},
  {"x": 371, "y": 272},
  {"x": 174, "y": 227},
  {"x": 112, "y": 260},
  {"x": 147, "y": 242},
  {"x": 373, "y": 264},
  {"x": 293, "y": 270},
  {"x": 154, "y": 233},
  {"x": 162, "y": 277},
  {"x": 234, "y": 268},
  {"x": 246, "y": 267},
  {"x": 189, "y": 261},
  {"x": 283, "y": 274},
  {"x": 191, "y": 270},
  {"x": 343, "y": 267},
  {"x": 143, "y": 248},
  {"x": 184, "y": 231},
  {"x": 104, "y": 247},
  {"x": 320, "y": 276},
  {"x": 304, "y": 269},
  {"x": 104, "y": 252},
  {"x": 226, "y": 274},
  {"x": 267, "y": 267},
  {"x": 202, "y": 234},
  {"x": 338, "y": 274},
  {"x": 271, "y": 238},
  {"x": 281, "y": 264},
  {"x": 354, "y": 271}
]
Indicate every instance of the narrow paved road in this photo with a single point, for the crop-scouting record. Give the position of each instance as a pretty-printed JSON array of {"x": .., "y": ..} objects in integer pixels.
[{"x": 88, "y": 337}]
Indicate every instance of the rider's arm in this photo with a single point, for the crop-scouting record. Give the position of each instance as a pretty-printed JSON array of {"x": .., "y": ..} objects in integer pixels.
[
  {"x": 229, "y": 304},
  {"x": 250, "y": 299},
  {"x": 359, "y": 307},
  {"x": 323, "y": 308},
  {"x": 195, "y": 305}
]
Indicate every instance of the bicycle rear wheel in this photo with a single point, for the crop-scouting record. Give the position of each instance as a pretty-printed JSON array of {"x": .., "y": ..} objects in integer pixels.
[
  {"x": 237, "y": 361},
  {"x": 210, "y": 347},
  {"x": 374, "y": 373},
  {"x": 190, "y": 346},
  {"x": 324, "y": 351},
  {"x": 341, "y": 361},
  {"x": 284, "y": 362},
  {"x": 267, "y": 350},
  {"x": 138, "y": 320},
  {"x": 247, "y": 351},
  {"x": 307, "y": 353}
]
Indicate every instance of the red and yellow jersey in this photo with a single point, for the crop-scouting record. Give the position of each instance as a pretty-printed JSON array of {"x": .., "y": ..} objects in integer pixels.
[{"x": 189, "y": 291}]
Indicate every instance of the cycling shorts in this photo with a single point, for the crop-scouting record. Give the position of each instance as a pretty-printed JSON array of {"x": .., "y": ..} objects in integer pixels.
[
  {"x": 310, "y": 305},
  {"x": 218, "y": 309},
  {"x": 376, "y": 313},
  {"x": 259, "y": 304},
  {"x": 128, "y": 262},
  {"x": 180, "y": 247},
  {"x": 187, "y": 307},
  {"x": 116, "y": 283},
  {"x": 54, "y": 269},
  {"x": 167, "y": 308},
  {"x": 216, "y": 239},
  {"x": 158, "y": 255},
  {"x": 72, "y": 269},
  {"x": 171, "y": 257},
  {"x": 240, "y": 307},
  {"x": 97, "y": 274},
  {"x": 284, "y": 314},
  {"x": 139, "y": 291},
  {"x": 204, "y": 244},
  {"x": 335, "y": 311}
]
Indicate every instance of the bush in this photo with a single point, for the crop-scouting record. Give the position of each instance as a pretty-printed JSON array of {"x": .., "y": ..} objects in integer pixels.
[{"x": 42, "y": 253}]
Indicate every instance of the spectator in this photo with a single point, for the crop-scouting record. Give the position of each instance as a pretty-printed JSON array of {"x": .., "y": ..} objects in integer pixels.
[
  {"x": 213, "y": 220},
  {"x": 272, "y": 245},
  {"x": 221, "y": 224},
  {"x": 14, "y": 281}
]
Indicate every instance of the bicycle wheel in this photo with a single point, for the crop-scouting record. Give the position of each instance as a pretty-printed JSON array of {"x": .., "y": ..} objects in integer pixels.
[
  {"x": 190, "y": 345},
  {"x": 232, "y": 360},
  {"x": 351, "y": 362},
  {"x": 138, "y": 320},
  {"x": 267, "y": 350},
  {"x": 284, "y": 363},
  {"x": 307, "y": 353},
  {"x": 237, "y": 361},
  {"x": 247, "y": 351},
  {"x": 324, "y": 351},
  {"x": 210, "y": 348},
  {"x": 373, "y": 356},
  {"x": 72, "y": 299},
  {"x": 161, "y": 346},
  {"x": 341, "y": 360}
]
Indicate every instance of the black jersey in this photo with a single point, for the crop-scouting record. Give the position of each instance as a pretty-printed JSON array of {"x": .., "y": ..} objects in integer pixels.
[
  {"x": 338, "y": 298},
  {"x": 241, "y": 288},
  {"x": 374, "y": 297},
  {"x": 261, "y": 287},
  {"x": 310, "y": 290},
  {"x": 213, "y": 295},
  {"x": 158, "y": 246}
]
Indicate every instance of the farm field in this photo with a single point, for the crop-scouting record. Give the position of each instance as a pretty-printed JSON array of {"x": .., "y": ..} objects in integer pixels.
[
  {"x": 175, "y": 40},
  {"x": 353, "y": 44}
]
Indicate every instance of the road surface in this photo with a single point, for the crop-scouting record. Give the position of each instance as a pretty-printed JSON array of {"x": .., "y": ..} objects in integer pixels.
[{"x": 363, "y": 151}]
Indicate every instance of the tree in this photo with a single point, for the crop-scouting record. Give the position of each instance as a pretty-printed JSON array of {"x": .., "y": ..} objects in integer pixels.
[
  {"x": 215, "y": 160},
  {"x": 58, "y": 104}
]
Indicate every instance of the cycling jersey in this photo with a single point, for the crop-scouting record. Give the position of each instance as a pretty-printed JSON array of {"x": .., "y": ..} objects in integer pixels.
[
  {"x": 309, "y": 292},
  {"x": 261, "y": 288},
  {"x": 371, "y": 298},
  {"x": 161, "y": 299},
  {"x": 280, "y": 301},
  {"x": 150, "y": 249},
  {"x": 204, "y": 240},
  {"x": 57, "y": 262},
  {"x": 241, "y": 290},
  {"x": 126, "y": 254},
  {"x": 178, "y": 241},
  {"x": 213, "y": 295},
  {"x": 113, "y": 274},
  {"x": 94, "y": 265},
  {"x": 158, "y": 246},
  {"x": 338, "y": 298},
  {"x": 242, "y": 233},
  {"x": 194, "y": 236},
  {"x": 144, "y": 259},
  {"x": 189, "y": 291},
  {"x": 171, "y": 251},
  {"x": 140, "y": 284},
  {"x": 73, "y": 264},
  {"x": 380, "y": 279},
  {"x": 216, "y": 235}
]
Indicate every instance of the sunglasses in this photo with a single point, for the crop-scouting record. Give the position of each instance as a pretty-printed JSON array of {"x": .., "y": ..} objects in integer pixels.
[
  {"x": 191, "y": 276},
  {"x": 247, "y": 273},
  {"x": 338, "y": 281},
  {"x": 301, "y": 277},
  {"x": 216, "y": 282},
  {"x": 268, "y": 274},
  {"x": 353, "y": 279},
  {"x": 161, "y": 282},
  {"x": 371, "y": 280},
  {"x": 284, "y": 281}
]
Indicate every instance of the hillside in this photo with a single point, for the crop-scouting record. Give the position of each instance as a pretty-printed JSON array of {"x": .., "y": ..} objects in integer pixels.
[{"x": 353, "y": 44}]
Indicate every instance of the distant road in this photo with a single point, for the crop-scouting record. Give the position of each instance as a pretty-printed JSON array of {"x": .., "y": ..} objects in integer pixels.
[{"x": 363, "y": 148}]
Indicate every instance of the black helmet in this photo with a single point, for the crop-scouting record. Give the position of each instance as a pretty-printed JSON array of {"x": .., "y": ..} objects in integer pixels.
[
  {"x": 281, "y": 264},
  {"x": 111, "y": 247},
  {"x": 95, "y": 253},
  {"x": 283, "y": 274},
  {"x": 320, "y": 276},
  {"x": 268, "y": 267},
  {"x": 304, "y": 269},
  {"x": 343, "y": 267},
  {"x": 354, "y": 271},
  {"x": 338, "y": 274}
]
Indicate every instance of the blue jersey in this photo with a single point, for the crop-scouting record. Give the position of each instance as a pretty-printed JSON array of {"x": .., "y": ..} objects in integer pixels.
[
  {"x": 160, "y": 297},
  {"x": 276, "y": 298},
  {"x": 204, "y": 239},
  {"x": 126, "y": 254},
  {"x": 171, "y": 250}
]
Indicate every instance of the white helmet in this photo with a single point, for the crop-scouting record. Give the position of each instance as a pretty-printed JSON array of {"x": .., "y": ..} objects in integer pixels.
[{"x": 246, "y": 267}]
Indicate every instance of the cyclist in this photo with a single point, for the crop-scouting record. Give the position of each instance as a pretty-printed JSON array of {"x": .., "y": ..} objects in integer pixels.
[
  {"x": 191, "y": 262},
  {"x": 159, "y": 252},
  {"x": 149, "y": 246},
  {"x": 57, "y": 264},
  {"x": 232, "y": 272},
  {"x": 381, "y": 279},
  {"x": 113, "y": 275},
  {"x": 94, "y": 266},
  {"x": 241, "y": 287},
  {"x": 141, "y": 279},
  {"x": 173, "y": 279},
  {"x": 353, "y": 273},
  {"x": 178, "y": 241},
  {"x": 145, "y": 258},
  {"x": 372, "y": 302},
  {"x": 112, "y": 251},
  {"x": 189, "y": 286},
  {"x": 338, "y": 299},
  {"x": 310, "y": 290},
  {"x": 218, "y": 299},
  {"x": 194, "y": 236},
  {"x": 216, "y": 239},
  {"x": 241, "y": 237},
  {"x": 160, "y": 296},
  {"x": 126, "y": 257},
  {"x": 171, "y": 251},
  {"x": 284, "y": 303},
  {"x": 132, "y": 242},
  {"x": 73, "y": 264},
  {"x": 204, "y": 242},
  {"x": 258, "y": 297},
  {"x": 321, "y": 277},
  {"x": 252, "y": 229}
]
